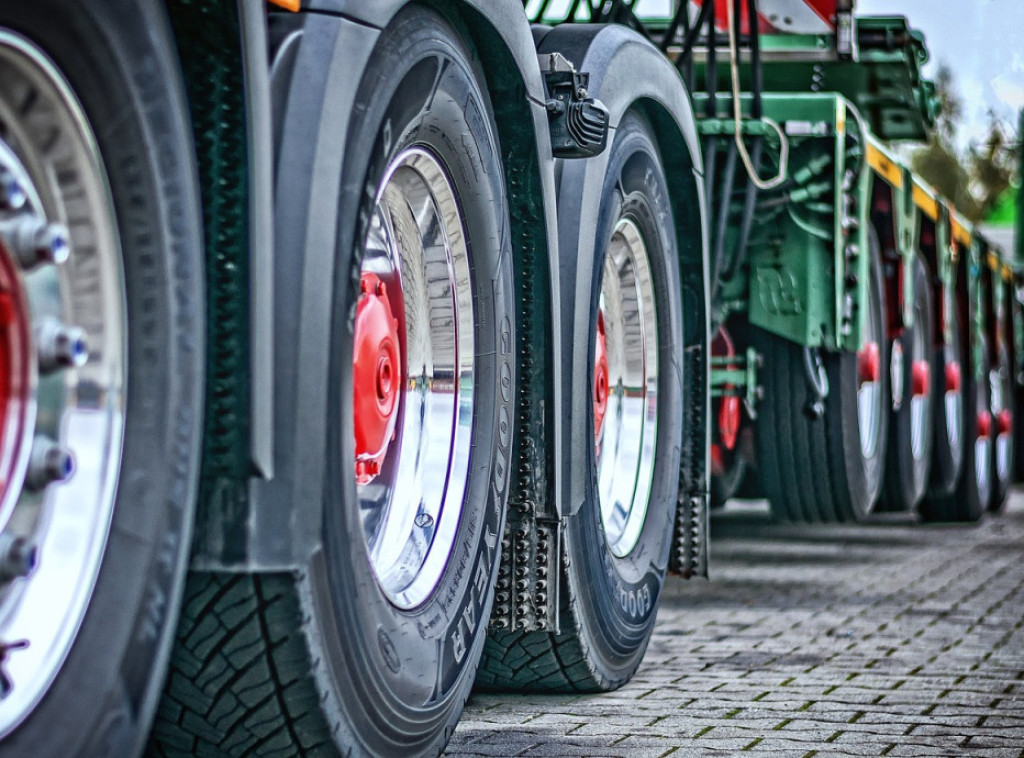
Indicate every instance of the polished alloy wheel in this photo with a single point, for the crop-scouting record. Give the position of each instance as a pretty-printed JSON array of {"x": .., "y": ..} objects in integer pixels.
[
  {"x": 1002, "y": 417},
  {"x": 869, "y": 388},
  {"x": 62, "y": 371},
  {"x": 626, "y": 410},
  {"x": 983, "y": 442},
  {"x": 953, "y": 397},
  {"x": 920, "y": 384},
  {"x": 413, "y": 373}
]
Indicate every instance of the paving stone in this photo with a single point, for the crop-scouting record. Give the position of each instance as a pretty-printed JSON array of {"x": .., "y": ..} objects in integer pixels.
[{"x": 892, "y": 639}]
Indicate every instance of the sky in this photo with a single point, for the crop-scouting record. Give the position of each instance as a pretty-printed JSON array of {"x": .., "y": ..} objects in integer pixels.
[{"x": 982, "y": 41}]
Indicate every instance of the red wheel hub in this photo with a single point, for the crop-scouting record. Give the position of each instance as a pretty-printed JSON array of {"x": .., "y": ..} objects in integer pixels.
[
  {"x": 729, "y": 408},
  {"x": 1005, "y": 423},
  {"x": 953, "y": 377},
  {"x": 984, "y": 425},
  {"x": 376, "y": 377},
  {"x": 600, "y": 377},
  {"x": 920, "y": 378},
  {"x": 16, "y": 380},
  {"x": 729, "y": 421},
  {"x": 869, "y": 362}
]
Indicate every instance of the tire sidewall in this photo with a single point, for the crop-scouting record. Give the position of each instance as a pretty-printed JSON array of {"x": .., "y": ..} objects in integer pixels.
[
  {"x": 1001, "y": 485},
  {"x": 864, "y": 475},
  {"x": 912, "y": 473},
  {"x": 948, "y": 460},
  {"x": 119, "y": 59},
  {"x": 624, "y": 591},
  {"x": 385, "y": 653}
]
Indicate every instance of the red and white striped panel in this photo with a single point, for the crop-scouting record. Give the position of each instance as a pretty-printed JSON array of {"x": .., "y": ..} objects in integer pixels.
[{"x": 783, "y": 16}]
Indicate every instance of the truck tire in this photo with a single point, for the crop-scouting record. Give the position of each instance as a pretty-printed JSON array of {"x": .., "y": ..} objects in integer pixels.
[
  {"x": 1003, "y": 417},
  {"x": 826, "y": 468},
  {"x": 104, "y": 335},
  {"x": 948, "y": 448},
  {"x": 973, "y": 492},
  {"x": 616, "y": 546},
  {"x": 727, "y": 485},
  {"x": 911, "y": 427},
  {"x": 372, "y": 649}
]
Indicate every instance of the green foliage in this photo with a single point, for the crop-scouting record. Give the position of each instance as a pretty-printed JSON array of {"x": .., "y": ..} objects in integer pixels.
[{"x": 975, "y": 181}]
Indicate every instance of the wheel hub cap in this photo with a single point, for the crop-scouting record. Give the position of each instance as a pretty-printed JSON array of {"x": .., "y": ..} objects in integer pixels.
[
  {"x": 625, "y": 445},
  {"x": 17, "y": 385},
  {"x": 413, "y": 378},
  {"x": 376, "y": 377},
  {"x": 869, "y": 363},
  {"x": 600, "y": 377}
]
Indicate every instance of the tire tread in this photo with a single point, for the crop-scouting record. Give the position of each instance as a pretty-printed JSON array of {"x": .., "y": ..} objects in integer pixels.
[{"x": 240, "y": 679}]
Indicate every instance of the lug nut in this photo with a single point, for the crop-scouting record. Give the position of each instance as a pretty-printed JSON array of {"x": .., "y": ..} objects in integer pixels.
[
  {"x": 59, "y": 346},
  {"x": 18, "y": 557},
  {"x": 12, "y": 194},
  {"x": 48, "y": 463},
  {"x": 34, "y": 242}
]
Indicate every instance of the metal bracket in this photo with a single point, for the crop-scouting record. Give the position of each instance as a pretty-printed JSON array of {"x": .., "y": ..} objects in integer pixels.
[
  {"x": 579, "y": 124},
  {"x": 736, "y": 376}
]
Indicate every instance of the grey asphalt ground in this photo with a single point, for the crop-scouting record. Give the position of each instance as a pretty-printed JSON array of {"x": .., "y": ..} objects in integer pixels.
[{"x": 887, "y": 639}]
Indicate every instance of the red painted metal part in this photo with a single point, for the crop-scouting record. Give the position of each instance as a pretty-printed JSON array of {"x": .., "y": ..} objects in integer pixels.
[
  {"x": 729, "y": 408},
  {"x": 600, "y": 376},
  {"x": 717, "y": 460},
  {"x": 984, "y": 425},
  {"x": 954, "y": 377},
  {"x": 920, "y": 378},
  {"x": 376, "y": 377},
  {"x": 16, "y": 357},
  {"x": 777, "y": 16},
  {"x": 1005, "y": 423},
  {"x": 869, "y": 362}
]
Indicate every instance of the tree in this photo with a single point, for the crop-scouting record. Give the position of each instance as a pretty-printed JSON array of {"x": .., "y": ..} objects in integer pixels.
[{"x": 975, "y": 182}]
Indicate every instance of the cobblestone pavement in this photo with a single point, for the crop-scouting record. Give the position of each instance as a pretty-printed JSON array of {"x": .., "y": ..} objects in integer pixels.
[{"x": 893, "y": 639}]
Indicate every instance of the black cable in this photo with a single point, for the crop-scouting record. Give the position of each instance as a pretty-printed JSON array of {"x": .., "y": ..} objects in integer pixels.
[
  {"x": 756, "y": 78},
  {"x": 749, "y": 203},
  {"x": 692, "y": 33},
  {"x": 673, "y": 27},
  {"x": 711, "y": 67},
  {"x": 728, "y": 179}
]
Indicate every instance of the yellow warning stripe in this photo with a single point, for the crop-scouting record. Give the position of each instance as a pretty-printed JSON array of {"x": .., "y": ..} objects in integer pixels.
[
  {"x": 929, "y": 205},
  {"x": 884, "y": 166},
  {"x": 960, "y": 232}
]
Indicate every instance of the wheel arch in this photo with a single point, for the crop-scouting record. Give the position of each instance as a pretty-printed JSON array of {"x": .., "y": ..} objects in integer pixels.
[
  {"x": 317, "y": 89},
  {"x": 628, "y": 73}
]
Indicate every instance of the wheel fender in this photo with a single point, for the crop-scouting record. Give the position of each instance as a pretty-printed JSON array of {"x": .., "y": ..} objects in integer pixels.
[
  {"x": 313, "y": 109},
  {"x": 501, "y": 31},
  {"x": 626, "y": 69},
  {"x": 314, "y": 105}
]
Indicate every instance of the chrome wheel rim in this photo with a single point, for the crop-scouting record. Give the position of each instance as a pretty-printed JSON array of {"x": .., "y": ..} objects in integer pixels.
[
  {"x": 869, "y": 387},
  {"x": 74, "y": 306},
  {"x": 999, "y": 383},
  {"x": 920, "y": 384},
  {"x": 983, "y": 440},
  {"x": 411, "y": 470},
  {"x": 626, "y": 437},
  {"x": 953, "y": 396}
]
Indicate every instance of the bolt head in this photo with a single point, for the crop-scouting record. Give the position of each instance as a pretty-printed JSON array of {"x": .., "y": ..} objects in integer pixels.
[
  {"x": 52, "y": 244},
  {"x": 12, "y": 194}
]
